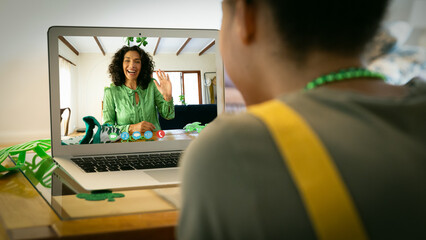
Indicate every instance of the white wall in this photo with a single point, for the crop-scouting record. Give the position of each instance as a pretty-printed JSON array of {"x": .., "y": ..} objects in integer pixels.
[
  {"x": 92, "y": 78},
  {"x": 65, "y": 52},
  {"x": 399, "y": 10},
  {"x": 24, "y": 96},
  {"x": 403, "y": 10}
]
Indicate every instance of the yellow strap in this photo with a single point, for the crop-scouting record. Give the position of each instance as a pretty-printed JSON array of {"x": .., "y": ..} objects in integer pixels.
[{"x": 326, "y": 199}]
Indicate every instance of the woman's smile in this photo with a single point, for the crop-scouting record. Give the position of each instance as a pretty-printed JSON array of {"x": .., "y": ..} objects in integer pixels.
[{"x": 131, "y": 72}]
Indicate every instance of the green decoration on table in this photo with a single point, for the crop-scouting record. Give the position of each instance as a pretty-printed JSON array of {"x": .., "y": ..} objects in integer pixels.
[
  {"x": 102, "y": 133},
  {"x": 35, "y": 172},
  {"x": 100, "y": 195},
  {"x": 195, "y": 126},
  {"x": 344, "y": 74}
]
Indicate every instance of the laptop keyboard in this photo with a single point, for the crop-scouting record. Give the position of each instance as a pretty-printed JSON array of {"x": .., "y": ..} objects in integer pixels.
[{"x": 127, "y": 162}]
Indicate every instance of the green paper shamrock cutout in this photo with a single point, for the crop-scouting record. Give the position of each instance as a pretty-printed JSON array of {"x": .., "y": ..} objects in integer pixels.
[
  {"x": 100, "y": 196},
  {"x": 195, "y": 126}
]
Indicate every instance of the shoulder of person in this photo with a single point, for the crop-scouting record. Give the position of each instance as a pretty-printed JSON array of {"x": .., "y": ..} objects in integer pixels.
[
  {"x": 418, "y": 84},
  {"x": 232, "y": 125},
  {"x": 107, "y": 90},
  {"x": 151, "y": 85},
  {"x": 112, "y": 87},
  {"x": 225, "y": 136}
]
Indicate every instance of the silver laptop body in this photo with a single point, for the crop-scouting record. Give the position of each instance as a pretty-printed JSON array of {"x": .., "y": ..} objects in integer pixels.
[{"x": 118, "y": 179}]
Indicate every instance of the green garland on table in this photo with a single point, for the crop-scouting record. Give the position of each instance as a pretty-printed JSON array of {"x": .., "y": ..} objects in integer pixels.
[{"x": 35, "y": 172}]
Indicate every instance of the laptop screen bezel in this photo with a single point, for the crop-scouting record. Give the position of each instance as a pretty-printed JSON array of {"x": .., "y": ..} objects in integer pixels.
[{"x": 118, "y": 148}]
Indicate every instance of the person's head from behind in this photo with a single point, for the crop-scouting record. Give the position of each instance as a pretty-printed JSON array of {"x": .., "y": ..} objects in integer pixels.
[
  {"x": 288, "y": 31},
  {"x": 131, "y": 64}
]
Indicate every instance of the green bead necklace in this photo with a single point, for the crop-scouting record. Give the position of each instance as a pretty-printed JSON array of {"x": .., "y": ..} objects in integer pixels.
[{"x": 343, "y": 74}]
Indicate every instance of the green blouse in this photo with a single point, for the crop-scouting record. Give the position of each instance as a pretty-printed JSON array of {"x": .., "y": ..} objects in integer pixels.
[{"x": 120, "y": 108}]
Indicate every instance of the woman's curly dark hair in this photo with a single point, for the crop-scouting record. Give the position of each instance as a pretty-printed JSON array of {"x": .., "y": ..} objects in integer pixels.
[{"x": 116, "y": 72}]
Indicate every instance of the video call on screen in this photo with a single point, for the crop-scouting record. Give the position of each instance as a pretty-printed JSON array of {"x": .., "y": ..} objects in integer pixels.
[{"x": 83, "y": 72}]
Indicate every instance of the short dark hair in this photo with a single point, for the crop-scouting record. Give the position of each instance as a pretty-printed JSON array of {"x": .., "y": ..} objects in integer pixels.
[
  {"x": 116, "y": 67},
  {"x": 337, "y": 26}
]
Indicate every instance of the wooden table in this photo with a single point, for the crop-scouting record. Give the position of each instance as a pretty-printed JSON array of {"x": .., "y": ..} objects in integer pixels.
[{"x": 24, "y": 214}]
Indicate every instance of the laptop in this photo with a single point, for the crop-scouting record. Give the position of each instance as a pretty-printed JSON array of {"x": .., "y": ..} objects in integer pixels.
[{"x": 78, "y": 73}]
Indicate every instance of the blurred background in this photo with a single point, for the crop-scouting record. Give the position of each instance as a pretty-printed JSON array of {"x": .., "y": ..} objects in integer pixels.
[{"x": 398, "y": 50}]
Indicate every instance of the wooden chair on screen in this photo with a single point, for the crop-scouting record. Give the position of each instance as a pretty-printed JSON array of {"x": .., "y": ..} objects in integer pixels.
[{"x": 67, "y": 123}]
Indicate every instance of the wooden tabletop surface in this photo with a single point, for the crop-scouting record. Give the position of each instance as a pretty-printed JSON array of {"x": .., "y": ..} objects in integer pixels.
[{"x": 24, "y": 214}]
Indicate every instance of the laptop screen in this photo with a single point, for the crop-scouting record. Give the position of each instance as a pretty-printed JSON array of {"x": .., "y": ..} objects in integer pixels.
[{"x": 92, "y": 91}]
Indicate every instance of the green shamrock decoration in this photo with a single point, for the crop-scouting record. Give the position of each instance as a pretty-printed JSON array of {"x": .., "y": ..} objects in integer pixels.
[
  {"x": 139, "y": 40},
  {"x": 195, "y": 126},
  {"x": 100, "y": 196}
]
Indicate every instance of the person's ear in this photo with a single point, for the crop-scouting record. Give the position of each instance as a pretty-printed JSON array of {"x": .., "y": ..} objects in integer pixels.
[{"x": 246, "y": 21}]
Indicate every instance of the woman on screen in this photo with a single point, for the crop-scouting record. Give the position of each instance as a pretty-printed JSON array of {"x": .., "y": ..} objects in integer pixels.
[{"x": 132, "y": 100}]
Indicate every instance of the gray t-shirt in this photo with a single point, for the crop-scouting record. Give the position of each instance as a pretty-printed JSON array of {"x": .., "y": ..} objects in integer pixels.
[{"x": 236, "y": 186}]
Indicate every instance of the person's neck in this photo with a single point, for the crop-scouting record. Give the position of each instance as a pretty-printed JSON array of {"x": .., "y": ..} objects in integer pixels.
[
  {"x": 132, "y": 84},
  {"x": 283, "y": 76}
]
